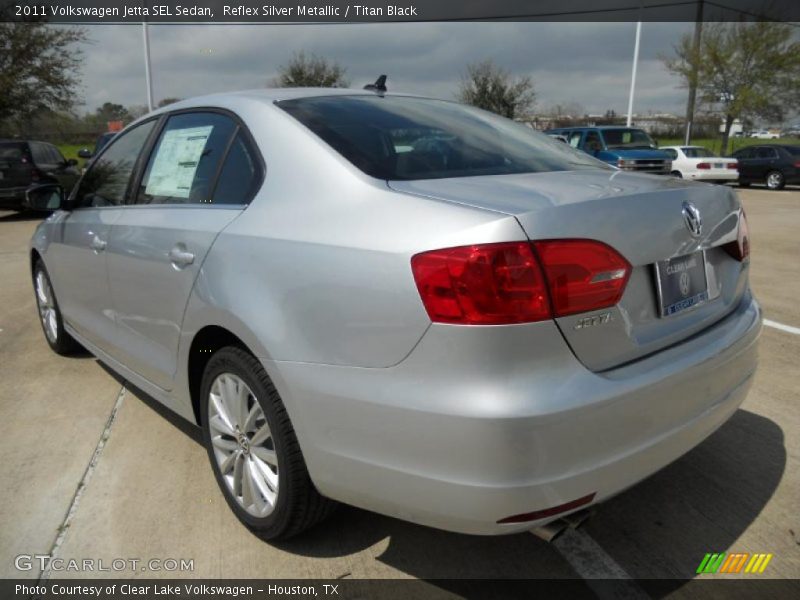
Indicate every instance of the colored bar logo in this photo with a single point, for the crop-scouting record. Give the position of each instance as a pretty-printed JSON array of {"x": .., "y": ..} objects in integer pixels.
[{"x": 735, "y": 562}]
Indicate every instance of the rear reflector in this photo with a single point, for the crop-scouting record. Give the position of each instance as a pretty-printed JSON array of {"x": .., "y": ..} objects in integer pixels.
[
  {"x": 582, "y": 275},
  {"x": 740, "y": 249},
  {"x": 549, "y": 512},
  {"x": 518, "y": 282}
]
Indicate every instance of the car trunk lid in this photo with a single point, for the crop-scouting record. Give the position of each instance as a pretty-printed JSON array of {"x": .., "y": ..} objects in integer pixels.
[{"x": 642, "y": 217}]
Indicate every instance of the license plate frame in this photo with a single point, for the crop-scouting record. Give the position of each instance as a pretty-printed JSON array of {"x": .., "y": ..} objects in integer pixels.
[{"x": 682, "y": 283}]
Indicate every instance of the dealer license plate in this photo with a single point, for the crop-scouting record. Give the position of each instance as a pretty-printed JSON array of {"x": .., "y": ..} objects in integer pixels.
[{"x": 682, "y": 283}]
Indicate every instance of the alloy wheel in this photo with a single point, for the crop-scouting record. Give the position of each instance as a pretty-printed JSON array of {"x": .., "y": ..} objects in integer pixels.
[
  {"x": 243, "y": 445},
  {"x": 774, "y": 180},
  {"x": 47, "y": 307}
]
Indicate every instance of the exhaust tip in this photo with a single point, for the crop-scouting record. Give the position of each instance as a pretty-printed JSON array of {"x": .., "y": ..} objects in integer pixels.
[{"x": 550, "y": 531}]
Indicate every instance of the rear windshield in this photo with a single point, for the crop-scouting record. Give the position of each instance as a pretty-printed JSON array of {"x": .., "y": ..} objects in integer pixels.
[
  {"x": 697, "y": 152},
  {"x": 793, "y": 150},
  {"x": 11, "y": 152},
  {"x": 627, "y": 138},
  {"x": 416, "y": 138}
]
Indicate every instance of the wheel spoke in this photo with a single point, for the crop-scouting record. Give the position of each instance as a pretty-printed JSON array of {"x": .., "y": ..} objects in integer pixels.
[
  {"x": 252, "y": 417},
  {"x": 269, "y": 476},
  {"x": 222, "y": 412},
  {"x": 247, "y": 483},
  {"x": 261, "y": 436},
  {"x": 218, "y": 423},
  {"x": 237, "y": 475},
  {"x": 264, "y": 494},
  {"x": 226, "y": 465},
  {"x": 265, "y": 454},
  {"x": 223, "y": 444}
]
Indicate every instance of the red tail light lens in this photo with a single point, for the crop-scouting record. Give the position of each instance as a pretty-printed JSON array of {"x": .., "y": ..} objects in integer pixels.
[
  {"x": 498, "y": 284},
  {"x": 740, "y": 249},
  {"x": 733, "y": 166},
  {"x": 703, "y": 165},
  {"x": 797, "y": 165},
  {"x": 582, "y": 275},
  {"x": 487, "y": 284}
]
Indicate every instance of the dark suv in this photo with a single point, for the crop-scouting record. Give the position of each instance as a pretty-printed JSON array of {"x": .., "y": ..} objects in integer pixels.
[
  {"x": 27, "y": 163},
  {"x": 772, "y": 164},
  {"x": 626, "y": 148}
]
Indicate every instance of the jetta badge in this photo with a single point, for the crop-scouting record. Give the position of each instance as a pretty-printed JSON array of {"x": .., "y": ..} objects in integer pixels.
[{"x": 691, "y": 216}]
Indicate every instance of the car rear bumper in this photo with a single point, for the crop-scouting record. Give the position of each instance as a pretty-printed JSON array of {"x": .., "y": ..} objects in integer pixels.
[
  {"x": 12, "y": 198},
  {"x": 480, "y": 424},
  {"x": 727, "y": 175}
]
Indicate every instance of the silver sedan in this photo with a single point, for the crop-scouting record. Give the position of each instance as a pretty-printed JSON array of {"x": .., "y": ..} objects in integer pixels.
[{"x": 400, "y": 303}]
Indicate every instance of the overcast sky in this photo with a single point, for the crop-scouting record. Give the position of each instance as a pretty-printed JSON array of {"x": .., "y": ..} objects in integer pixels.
[{"x": 584, "y": 63}]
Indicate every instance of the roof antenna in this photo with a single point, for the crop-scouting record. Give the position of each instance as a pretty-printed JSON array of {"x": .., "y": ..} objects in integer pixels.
[{"x": 379, "y": 85}]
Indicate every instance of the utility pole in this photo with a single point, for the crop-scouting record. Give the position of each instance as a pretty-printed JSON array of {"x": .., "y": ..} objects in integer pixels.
[
  {"x": 633, "y": 74},
  {"x": 147, "y": 74},
  {"x": 698, "y": 32}
]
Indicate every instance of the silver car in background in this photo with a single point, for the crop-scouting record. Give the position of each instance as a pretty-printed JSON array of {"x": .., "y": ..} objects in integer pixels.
[{"x": 404, "y": 304}]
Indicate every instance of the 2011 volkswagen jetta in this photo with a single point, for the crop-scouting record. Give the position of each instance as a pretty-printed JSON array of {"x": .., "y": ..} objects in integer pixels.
[{"x": 404, "y": 304}]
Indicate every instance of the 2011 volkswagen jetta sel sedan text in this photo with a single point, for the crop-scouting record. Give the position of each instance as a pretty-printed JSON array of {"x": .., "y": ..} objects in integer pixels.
[{"x": 404, "y": 304}]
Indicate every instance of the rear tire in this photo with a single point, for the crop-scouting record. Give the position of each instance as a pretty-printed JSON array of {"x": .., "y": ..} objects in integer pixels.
[
  {"x": 50, "y": 315},
  {"x": 775, "y": 180},
  {"x": 253, "y": 449}
]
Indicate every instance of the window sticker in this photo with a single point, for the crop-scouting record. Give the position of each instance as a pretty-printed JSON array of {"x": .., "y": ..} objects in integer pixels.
[{"x": 176, "y": 161}]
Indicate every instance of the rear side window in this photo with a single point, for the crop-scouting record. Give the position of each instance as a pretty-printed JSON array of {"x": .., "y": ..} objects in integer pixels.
[
  {"x": 766, "y": 153},
  {"x": 186, "y": 158},
  {"x": 12, "y": 153},
  {"x": 405, "y": 138},
  {"x": 39, "y": 153},
  {"x": 240, "y": 176},
  {"x": 744, "y": 153},
  {"x": 106, "y": 181},
  {"x": 793, "y": 150}
]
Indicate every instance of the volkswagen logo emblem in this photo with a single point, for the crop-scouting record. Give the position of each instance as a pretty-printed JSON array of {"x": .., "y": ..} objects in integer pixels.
[
  {"x": 691, "y": 216},
  {"x": 684, "y": 282}
]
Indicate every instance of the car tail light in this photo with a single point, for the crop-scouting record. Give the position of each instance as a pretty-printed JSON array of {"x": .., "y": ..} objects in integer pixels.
[
  {"x": 582, "y": 275},
  {"x": 36, "y": 174},
  {"x": 733, "y": 166},
  {"x": 740, "y": 249},
  {"x": 487, "y": 284},
  {"x": 703, "y": 165},
  {"x": 518, "y": 282},
  {"x": 796, "y": 165}
]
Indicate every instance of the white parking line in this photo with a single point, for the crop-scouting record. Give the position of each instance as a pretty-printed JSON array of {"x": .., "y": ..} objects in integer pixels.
[
  {"x": 782, "y": 327},
  {"x": 87, "y": 475},
  {"x": 592, "y": 563}
]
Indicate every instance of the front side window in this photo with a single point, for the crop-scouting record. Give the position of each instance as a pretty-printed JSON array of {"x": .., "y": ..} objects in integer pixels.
[
  {"x": 627, "y": 138},
  {"x": 106, "y": 181},
  {"x": 405, "y": 138},
  {"x": 184, "y": 163}
]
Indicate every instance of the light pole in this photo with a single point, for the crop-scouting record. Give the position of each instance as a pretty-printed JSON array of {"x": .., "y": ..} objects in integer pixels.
[
  {"x": 147, "y": 75},
  {"x": 633, "y": 73},
  {"x": 698, "y": 32}
]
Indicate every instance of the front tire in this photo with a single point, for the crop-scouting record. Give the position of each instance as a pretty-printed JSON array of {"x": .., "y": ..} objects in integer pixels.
[
  {"x": 50, "y": 315},
  {"x": 775, "y": 180},
  {"x": 677, "y": 174},
  {"x": 253, "y": 449}
]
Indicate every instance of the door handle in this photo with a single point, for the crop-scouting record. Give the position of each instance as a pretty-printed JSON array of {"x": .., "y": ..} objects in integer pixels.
[
  {"x": 180, "y": 257},
  {"x": 97, "y": 244}
]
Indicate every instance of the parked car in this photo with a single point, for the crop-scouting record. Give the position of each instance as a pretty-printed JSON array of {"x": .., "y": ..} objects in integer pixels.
[
  {"x": 765, "y": 134},
  {"x": 27, "y": 163},
  {"x": 483, "y": 334},
  {"x": 623, "y": 147},
  {"x": 699, "y": 163},
  {"x": 772, "y": 164}
]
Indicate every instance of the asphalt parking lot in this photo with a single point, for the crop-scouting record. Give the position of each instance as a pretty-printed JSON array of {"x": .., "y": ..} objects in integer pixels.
[{"x": 92, "y": 469}]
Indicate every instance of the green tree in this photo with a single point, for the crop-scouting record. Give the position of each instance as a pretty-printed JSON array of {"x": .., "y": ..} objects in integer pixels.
[
  {"x": 748, "y": 70},
  {"x": 310, "y": 70},
  {"x": 39, "y": 69},
  {"x": 488, "y": 86}
]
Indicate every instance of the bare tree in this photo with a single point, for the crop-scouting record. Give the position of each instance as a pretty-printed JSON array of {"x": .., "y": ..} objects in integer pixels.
[
  {"x": 310, "y": 70},
  {"x": 748, "y": 70},
  {"x": 488, "y": 86},
  {"x": 39, "y": 68}
]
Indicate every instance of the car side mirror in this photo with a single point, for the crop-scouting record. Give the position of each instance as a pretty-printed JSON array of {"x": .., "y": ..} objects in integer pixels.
[
  {"x": 44, "y": 198},
  {"x": 71, "y": 162},
  {"x": 85, "y": 153}
]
